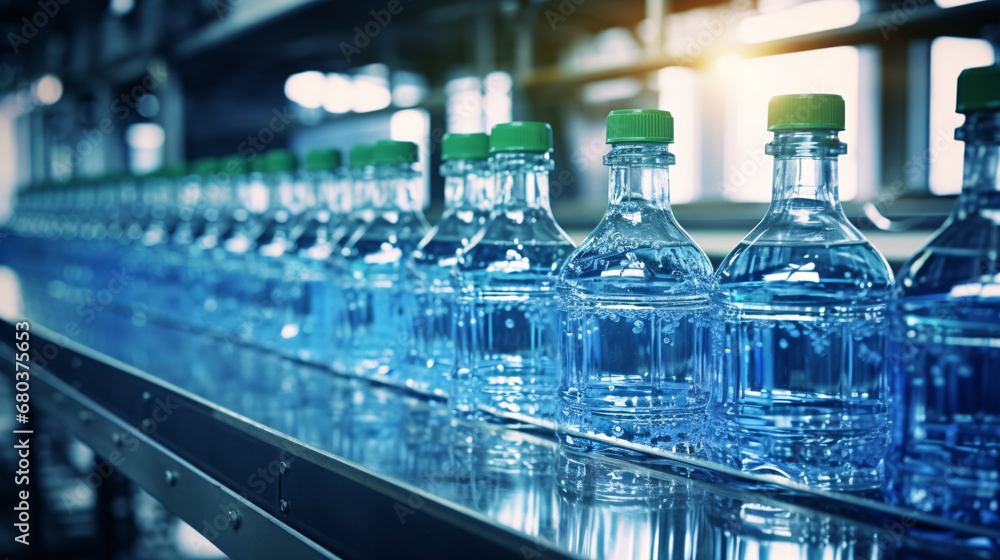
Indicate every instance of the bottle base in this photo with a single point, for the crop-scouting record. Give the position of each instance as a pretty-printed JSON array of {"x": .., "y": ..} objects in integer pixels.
[
  {"x": 820, "y": 458},
  {"x": 940, "y": 487},
  {"x": 680, "y": 432}
]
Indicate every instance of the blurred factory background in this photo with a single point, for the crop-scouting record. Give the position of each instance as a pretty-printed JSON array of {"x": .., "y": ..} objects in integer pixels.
[{"x": 94, "y": 87}]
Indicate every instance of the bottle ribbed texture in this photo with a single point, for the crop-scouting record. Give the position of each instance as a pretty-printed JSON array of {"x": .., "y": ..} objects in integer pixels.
[
  {"x": 280, "y": 160},
  {"x": 323, "y": 158},
  {"x": 360, "y": 155},
  {"x": 465, "y": 146},
  {"x": 522, "y": 136},
  {"x": 805, "y": 111},
  {"x": 391, "y": 151},
  {"x": 640, "y": 125}
]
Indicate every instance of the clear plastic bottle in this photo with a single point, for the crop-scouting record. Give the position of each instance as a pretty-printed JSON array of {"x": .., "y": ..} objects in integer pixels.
[
  {"x": 235, "y": 289},
  {"x": 363, "y": 187},
  {"x": 306, "y": 331},
  {"x": 229, "y": 182},
  {"x": 374, "y": 260},
  {"x": 507, "y": 324},
  {"x": 468, "y": 194},
  {"x": 202, "y": 203},
  {"x": 162, "y": 196},
  {"x": 263, "y": 318},
  {"x": 800, "y": 388},
  {"x": 634, "y": 301},
  {"x": 946, "y": 336}
]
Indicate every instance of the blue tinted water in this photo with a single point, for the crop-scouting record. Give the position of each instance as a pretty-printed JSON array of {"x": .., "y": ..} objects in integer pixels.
[
  {"x": 307, "y": 322},
  {"x": 373, "y": 289},
  {"x": 508, "y": 329},
  {"x": 431, "y": 353},
  {"x": 947, "y": 376},
  {"x": 801, "y": 388},
  {"x": 636, "y": 347}
]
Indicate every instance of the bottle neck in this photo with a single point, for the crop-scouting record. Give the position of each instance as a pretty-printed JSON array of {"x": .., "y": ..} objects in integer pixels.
[
  {"x": 640, "y": 178},
  {"x": 189, "y": 196},
  {"x": 522, "y": 180},
  {"x": 363, "y": 188},
  {"x": 330, "y": 190},
  {"x": 467, "y": 185},
  {"x": 805, "y": 168},
  {"x": 981, "y": 134},
  {"x": 397, "y": 184},
  {"x": 218, "y": 193},
  {"x": 289, "y": 194}
]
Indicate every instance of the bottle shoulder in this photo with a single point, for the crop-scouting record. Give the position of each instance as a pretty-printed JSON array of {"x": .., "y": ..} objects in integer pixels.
[
  {"x": 801, "y": 221},
  {"x": 453, "y": 227},
  {"x": 392, "y": 227},
  {"x": 517, "y": 235},
  {"x": 805, "y": 273},
  {"x": 525, "y": 225},
  {"x": 619, "y": 258},
  {"x": 962, "y": 260}
]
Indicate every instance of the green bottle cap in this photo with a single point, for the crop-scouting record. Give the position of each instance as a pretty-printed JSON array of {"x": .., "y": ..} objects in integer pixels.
[
  {"x": 979, "y": 89},
  {"x": 259, "y": 162},
  {"x": 323, "y": 158},
  {"x": 175, "y": 170},
  {"x": 804, "y": 111},
  {"x": 360, "y": 155},
  {"x": 465, "y": 146},
  {"x": 391, "y": 151},
  {"x": 280, "y": 160},
  {"x": 234, "y": 165},
  {"x": 640, "y": 125},
  {"x": 521, "y": 136},
  {"x": 204, "y": 166}
]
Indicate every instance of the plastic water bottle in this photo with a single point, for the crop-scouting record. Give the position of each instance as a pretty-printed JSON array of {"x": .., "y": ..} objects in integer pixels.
[
  {"x": 374, "y": 262},
  {"x": 634, "y": 299},
  {"x": 202, "y": 202},
  {"x": 226, "y": 183},
  {"x": 162, "y": 195},
  {"x": 306, "y": 331},
  {"x": 234, "y": 289},
  {"x": 801, "y": 389},
  {"x": 289, "y": 198},
  {"x": 468, "y": 193},
  {"x": 363, "y": 186},
  {"x": 946, "y": 376},
  {"x": 507, "y": 324}
]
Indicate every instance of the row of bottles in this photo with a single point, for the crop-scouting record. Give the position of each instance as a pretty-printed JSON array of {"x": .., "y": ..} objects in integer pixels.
[{"x": 795, "y": 358}]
